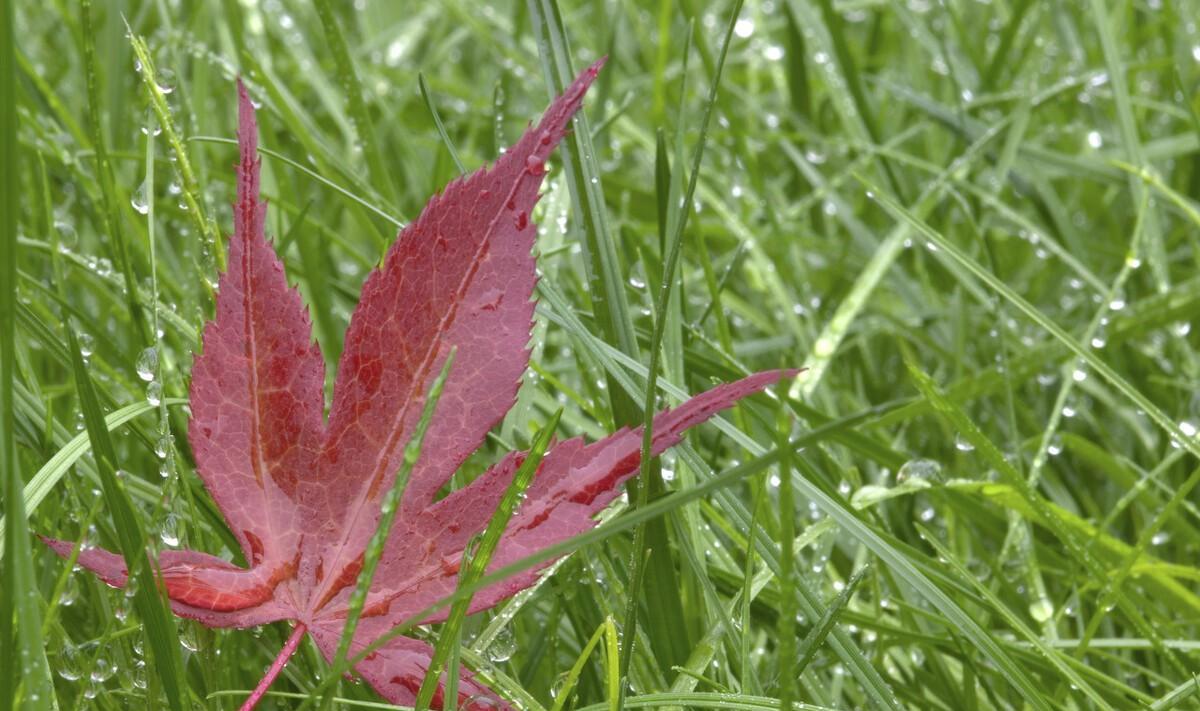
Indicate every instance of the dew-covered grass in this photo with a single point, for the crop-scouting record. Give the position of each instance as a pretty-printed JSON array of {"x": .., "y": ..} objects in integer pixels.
[{"x": 974, "y": 222}]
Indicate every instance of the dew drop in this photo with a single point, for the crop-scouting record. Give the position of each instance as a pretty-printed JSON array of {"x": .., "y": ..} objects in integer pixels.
[
  {"x": 67, "y": 236},
  {"x": 154, "y": 393},
  {"x": 162, "y": 447},
  {"x": 141, "y": 199},
  {"x": 165, "y": 80},
  {"x": 962, "y": 444},
  {"x": 918, "y": 469},
  {"x": 87, "y": 344},
  {"x": 68, "y": 662},
  {"x": 503, "y": 646},
  {"x": 147, "y": 364},
  {"x": 187, "y": 638},
  {"x": 169, "y": 531},
  {"x": 1041, "y": 609},
  {"x": 1117, "y": 302},
  {"x": 102, "y": 670}
]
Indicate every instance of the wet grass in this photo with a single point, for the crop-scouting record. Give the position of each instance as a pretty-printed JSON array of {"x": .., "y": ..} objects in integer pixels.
[{"x": 974, "y": 223}]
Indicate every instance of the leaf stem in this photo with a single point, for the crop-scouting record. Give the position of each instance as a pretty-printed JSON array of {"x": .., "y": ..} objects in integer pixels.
[{"x": 289, "y": 648}]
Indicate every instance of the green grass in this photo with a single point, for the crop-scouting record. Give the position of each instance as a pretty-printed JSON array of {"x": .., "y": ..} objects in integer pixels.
[{"x": 975, "y": 223}]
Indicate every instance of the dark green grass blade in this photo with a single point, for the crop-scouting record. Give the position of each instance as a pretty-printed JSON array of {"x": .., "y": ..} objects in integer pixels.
[
  {"x": 24, "y": 675},
  {"x": 816, "y": 636},
  {"x": 605, "y": 273}
]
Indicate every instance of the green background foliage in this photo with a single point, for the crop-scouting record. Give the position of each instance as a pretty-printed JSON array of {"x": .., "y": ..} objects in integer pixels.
[{"x": 974, "y": 222}]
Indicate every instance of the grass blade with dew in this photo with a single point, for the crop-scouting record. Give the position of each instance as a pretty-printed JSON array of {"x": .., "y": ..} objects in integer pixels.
[{"x": 24, "y": 673}]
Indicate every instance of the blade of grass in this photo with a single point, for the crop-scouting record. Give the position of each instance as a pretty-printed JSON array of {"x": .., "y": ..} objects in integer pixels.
[
  {"x": 649, "y": 481},
  {"x": 149, "y": 600},
  {"x": 816, "y": 636},
  {"x": 1087, "y": 355},
  {"x": 388, "y": 508},
  {"x": 104, "y": 175},
  {"x": 212, "y": 252},
  {"x": 789, "y": 669},
  {"x": 345, "y": 192},
  {"x": 441, "y": 128},
  {"x": 360, "y": 117},
  {"x": 24, "y": 674},
  {"x": 482, "y": 556},
  {"x": 581, "y": 166},
  {"x": 48, "y": 477},
  {"x": 1132, "y": 143},
  {"x": 1012, "y": 620}
]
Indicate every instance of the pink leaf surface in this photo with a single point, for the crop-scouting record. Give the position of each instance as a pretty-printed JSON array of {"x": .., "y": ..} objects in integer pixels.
[{"x": 302, "y": 498}]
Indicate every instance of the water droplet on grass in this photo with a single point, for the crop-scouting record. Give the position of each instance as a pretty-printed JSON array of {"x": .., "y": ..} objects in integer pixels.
[
  {"x": 1041, "y": 609},
  {"x": 163, "y": 446},
  {"x": 87, "y": 344},
  {"x": 169, "y": 531},
  {"x": 502, "y": 647},
  {"x": 154, "y": 393},
  {"x": 165, "y": 80},
  {"x": 68, "y": 662},
  {"x": 919, "y": 469},
  {"x": 141, "y": 199},
  {"x": 102, "y": 670}
]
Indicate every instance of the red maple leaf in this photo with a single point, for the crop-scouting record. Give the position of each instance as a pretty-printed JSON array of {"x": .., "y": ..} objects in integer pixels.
[{"x": 302, "y": 496}]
